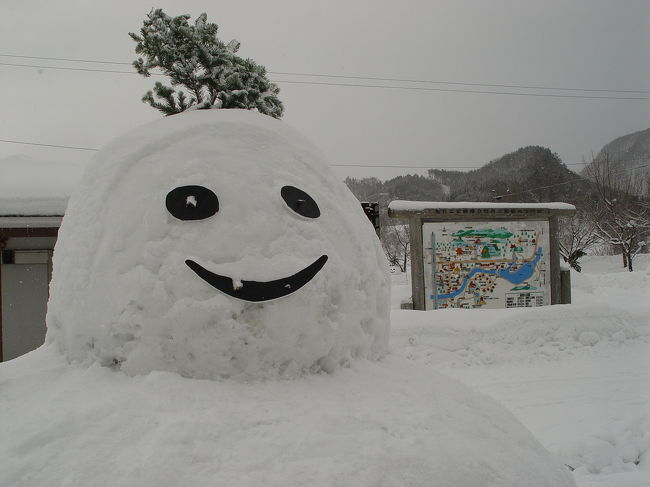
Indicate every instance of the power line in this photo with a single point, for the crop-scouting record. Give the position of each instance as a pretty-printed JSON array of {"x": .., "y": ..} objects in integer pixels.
[
  {"x": 48, "y": 145},
  {"x": 507, "y": 195},
  {"x": 461, "y": 83},
  {"x": 65, "y": 59},
  {"x": 431, "y": 167},
  {"x": 454, "y": 90},
  {"x": 396, "y": 166},
  {"x": 466, "y": 167},
  {"x": 63, "y": 68},
  {"x": 389, "y": 166},
  {"x": 357, "y": 85},
  {"x": 406, "y": 88},
  {"x": 358, "y": 77}
]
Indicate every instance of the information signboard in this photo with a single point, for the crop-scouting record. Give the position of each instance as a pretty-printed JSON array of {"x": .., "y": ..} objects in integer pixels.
[{"x": 486, "y": 264}]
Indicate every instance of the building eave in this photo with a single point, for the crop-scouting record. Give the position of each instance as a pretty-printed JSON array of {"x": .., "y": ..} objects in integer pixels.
[{"x": 30, "y": 221}]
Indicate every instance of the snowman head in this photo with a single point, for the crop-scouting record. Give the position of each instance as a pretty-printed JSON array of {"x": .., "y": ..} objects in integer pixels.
[{"x": 217, "y": 243}]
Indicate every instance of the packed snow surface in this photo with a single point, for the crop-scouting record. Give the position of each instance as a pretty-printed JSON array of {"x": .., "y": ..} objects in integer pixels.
[
  {"x": 123, "y": 295},
  {"x": 390, "y": 423}
]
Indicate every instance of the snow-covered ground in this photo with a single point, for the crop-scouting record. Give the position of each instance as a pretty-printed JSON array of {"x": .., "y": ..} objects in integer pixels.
[{"x": 578, "y": 376}]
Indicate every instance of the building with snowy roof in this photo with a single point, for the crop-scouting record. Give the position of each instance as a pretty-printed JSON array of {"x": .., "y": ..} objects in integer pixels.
[{"x": 33, "y": 199}]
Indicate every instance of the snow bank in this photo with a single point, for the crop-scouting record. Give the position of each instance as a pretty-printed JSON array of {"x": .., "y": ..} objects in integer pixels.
[
  {"x": 471, "y": 337},
  {"x": 608, "y": 309},
  {"x": 29, "y": 187},
  {"x": 623, "y": 446},
  {"x": 612, "y": 264},
  {"x": 123, "y": 291},
  {"x": 388, "y": 424}
]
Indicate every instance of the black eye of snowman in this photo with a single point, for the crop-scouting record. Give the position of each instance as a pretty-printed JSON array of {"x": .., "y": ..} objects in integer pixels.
[
  {"x": 192, "y": 202},
  {"x": 197, "y": 203},
  {"x": 300, "y": 202}
]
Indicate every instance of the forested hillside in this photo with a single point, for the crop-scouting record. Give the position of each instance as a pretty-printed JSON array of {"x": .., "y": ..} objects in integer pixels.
[
  {"x": 408, "y": 187},
  {"x": 627, "y": 158},
  {"x": 530, "y": 174},
  {"x": 612, "y": 203}
]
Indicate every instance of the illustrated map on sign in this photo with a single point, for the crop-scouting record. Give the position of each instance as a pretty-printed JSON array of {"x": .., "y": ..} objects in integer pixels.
[{"x": 486, "y": 264}]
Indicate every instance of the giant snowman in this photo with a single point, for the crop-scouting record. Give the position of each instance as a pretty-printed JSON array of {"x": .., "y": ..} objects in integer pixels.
[{"x": 217, "y": 244}]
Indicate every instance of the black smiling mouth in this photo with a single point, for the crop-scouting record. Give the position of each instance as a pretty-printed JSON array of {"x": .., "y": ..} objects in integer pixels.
[{"x": 259, "y": 291}]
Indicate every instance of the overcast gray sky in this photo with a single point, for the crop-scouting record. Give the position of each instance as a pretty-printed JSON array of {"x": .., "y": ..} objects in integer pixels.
[{"x": 587, "y": 44}]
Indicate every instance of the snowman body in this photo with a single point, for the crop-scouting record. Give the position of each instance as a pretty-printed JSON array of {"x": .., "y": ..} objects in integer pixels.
[{"x": 217, "y": 244}]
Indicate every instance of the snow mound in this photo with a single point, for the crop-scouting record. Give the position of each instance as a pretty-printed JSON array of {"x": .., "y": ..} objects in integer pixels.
[
  {"x": 387, "y": 423},
  {"x": 606, "y": 265},
  {"x": 461, "y": 338},
  {"x": 301, "y": 281},
  {"x": 623, "y": 447}
]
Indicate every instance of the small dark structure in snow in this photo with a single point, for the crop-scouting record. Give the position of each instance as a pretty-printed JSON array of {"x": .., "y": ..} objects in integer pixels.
[
  {"x": 484, "y": 255},
  {"x": 33, "y": 198},
  {"x": 27, "y": 243}
]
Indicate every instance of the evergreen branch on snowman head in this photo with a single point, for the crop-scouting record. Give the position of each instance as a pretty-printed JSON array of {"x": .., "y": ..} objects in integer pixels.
[{"x": 207, "y": 68}]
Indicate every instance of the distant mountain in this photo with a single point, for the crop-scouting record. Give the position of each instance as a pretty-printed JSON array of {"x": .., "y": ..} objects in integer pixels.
[
  {"x": 410, "y": 187},
  {"x": 529, "y": 174},
  {"x": 624, "y": 154}
]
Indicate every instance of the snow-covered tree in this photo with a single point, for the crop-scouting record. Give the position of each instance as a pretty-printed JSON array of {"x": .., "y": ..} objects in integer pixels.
[
  {"x": 625, "y": 228},
  {"x": 577, "y": 234},
  {"x": 396, "y": 242},
  {"x": 209, "y": 69},
  {"x": 622, "y": 217}
]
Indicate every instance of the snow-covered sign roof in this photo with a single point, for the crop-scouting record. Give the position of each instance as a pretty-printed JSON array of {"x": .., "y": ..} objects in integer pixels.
[
  {"x": 36, "y": 188},
  {"x": 402, "y": 208}
]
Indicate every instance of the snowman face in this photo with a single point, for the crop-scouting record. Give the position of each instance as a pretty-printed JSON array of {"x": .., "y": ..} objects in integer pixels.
[
  {"x": 190, "y": 203},
  {"x": 217, "y": 245}
]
